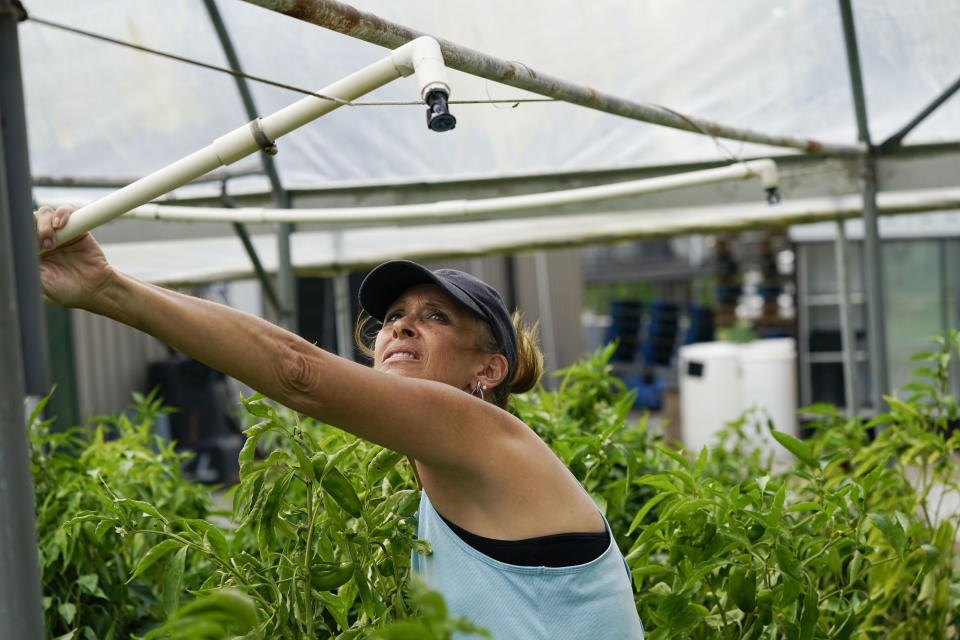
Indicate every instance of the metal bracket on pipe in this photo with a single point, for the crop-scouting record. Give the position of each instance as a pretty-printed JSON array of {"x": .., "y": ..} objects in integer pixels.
[{"x": 268, "y": 146}]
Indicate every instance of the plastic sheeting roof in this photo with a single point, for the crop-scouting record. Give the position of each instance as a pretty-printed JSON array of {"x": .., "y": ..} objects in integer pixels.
[{"x": 97, "y": 110}]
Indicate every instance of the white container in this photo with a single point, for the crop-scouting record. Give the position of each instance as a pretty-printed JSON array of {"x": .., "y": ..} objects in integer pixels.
[
  {"x": 719, "y": 381},
  {"x": 709, "y": 381}
]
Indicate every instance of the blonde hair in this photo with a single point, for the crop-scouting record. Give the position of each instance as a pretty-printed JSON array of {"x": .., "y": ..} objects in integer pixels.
[{"x": 526, "y": 373}]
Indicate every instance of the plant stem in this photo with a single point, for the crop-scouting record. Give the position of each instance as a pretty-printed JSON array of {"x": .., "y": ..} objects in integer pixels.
[
  {"x": 723, "y": 614},
  {"x": 307, "y": 555}
]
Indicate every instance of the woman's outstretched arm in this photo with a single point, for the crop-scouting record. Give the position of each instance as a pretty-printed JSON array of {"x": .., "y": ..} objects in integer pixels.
[{"x": 404, "y": 414}]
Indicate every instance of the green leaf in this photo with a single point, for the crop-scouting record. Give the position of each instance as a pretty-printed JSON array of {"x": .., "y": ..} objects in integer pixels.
[
  {"x": 819, "y": 409},
  {"x": 214, "y": 540},
  {"x": 650, "y": 504},
  {"x": 88, "y": 583},
  {"x": 931, "y": 556},
  {"x": 250, "y": 447},
  {"x": 67, "y": 611},
  {"x": 675, "y": 455},
  {"x": 682, "y": 508},
  {"x": 797, "y": 447},
  {"x": 154, "y": 554},
  {"x": 701, "y": 461},
  {"x": 257, "y": 407},
  {"x": 381, "y": 465},
  {"x": 810, "y": 614},
  {"x": 306, "y": 467},
  {"x": 172, "y": 579},
  {"x": 230, "y": 603},
  {"x": 659, "y": 481},
  {"x": 104, "y": 527},
  {"x": 778, "y": 500},
  {"x": 890, "y": 528},
  {"x": 787, "y": 561},
  {"x": 144, "y": 507},
  {"x": 679, "y": 612},
  {"x": 804, "y": 506}
]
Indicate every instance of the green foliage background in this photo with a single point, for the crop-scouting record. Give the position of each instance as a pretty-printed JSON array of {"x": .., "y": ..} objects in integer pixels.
[{"x": 848, "y": 541}]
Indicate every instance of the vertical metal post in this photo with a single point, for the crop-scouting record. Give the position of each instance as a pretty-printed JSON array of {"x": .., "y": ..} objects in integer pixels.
[
  {"x": 20, "y": 608},
  {"x": 873, "y": 283},
  {"x": 286, "y": 281},
  {"x": 510, "y": 275},
  {"x": 545, "y": 307},
  {"x": 872, "y": 266},
  {"x": 846, "y": 328},
  {"x": 21, "y": 612},
  {"x": 803, "y": 325},
  {"x": 944, "y": 290},
  {"x": 13, "y": 130},
  {"x": 342, "y": 314},
  {"x": 341, "y": 296}
]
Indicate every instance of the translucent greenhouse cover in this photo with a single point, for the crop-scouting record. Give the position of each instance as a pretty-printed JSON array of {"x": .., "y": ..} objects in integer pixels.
[{"x": 99, "y": 110}]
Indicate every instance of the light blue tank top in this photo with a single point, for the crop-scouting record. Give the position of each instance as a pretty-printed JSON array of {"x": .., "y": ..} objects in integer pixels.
[{"x": 592, "y": 600}]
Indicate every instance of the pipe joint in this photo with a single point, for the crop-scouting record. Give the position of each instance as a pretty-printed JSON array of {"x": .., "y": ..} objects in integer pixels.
[
  {"x": 766, "y": 170},
  {"x": 423, "y": 58}
]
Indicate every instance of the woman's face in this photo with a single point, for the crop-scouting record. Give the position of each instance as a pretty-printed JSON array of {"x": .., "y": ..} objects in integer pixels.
[{"x": 427, "y": 334}]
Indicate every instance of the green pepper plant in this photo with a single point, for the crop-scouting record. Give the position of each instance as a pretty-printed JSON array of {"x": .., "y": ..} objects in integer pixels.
[{"x": 849, "y": 540}]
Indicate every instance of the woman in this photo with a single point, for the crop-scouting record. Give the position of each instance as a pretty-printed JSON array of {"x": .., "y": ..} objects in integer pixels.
[{"x": 519, "y": 548}]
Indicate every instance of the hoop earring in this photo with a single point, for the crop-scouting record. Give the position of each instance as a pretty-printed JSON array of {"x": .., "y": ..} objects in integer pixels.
[{"x": 478, "y": 390}]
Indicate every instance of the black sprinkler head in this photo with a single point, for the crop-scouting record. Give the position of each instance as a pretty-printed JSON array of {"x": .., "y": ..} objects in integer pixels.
[
  {"x": 773, "y": 195},
  {"x": 438, "y": 112}
]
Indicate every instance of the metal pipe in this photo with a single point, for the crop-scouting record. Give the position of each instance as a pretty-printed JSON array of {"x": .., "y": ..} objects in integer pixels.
[
  {"x": 262, "y": 276},
  {"x": 874, "y": 289},
  {"x": 20, "y": 605},
  {"x": 341, "y": 296},
  {"x": 840, "y": 250},
  {"x": 244, "y": 236},
  {"x": 13, "y": 131},
  {"x": 286, "y": 280},
  {"x": 361, "y": 248},
  {"x": 286, "y": 307},
  {"x": 896, "y": 139},
  {"x": 872, "y": 265},
  {"x": 545, "y": 307},
  {"x": 21, "y": 611},
  {"x": 362, "y": 25},
  {"x": 766, "y": 170},
  {"x": 944, "y": 289},
  {"x": 803, "y": 328},
  {"x": 853, "y": 65},
  {"x": 247, "y": 139}
]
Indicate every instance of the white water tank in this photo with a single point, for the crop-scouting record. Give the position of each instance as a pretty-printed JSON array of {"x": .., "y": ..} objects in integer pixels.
[{"x": 719, "y": 381}]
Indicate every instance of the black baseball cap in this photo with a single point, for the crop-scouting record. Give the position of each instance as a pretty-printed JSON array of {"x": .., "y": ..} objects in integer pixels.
[{"x": 385, "y": 283}]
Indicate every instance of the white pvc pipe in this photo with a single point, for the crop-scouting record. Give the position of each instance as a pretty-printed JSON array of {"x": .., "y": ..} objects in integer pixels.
[
  {"x": 213, "y": 259},
  {"x": 765, "y": 169},
  {"x": 421, "y": 56}
]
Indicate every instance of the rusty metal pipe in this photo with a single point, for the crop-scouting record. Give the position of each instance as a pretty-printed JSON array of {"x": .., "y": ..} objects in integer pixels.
[{"x": 362, "y": 25}]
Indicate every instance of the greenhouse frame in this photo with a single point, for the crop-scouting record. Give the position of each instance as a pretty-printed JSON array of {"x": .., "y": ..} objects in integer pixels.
[{"x": 854, "y": 102}]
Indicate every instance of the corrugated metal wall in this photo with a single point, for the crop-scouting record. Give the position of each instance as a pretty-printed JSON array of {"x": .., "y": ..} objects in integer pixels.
[{"x": 111, "y": 362}]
